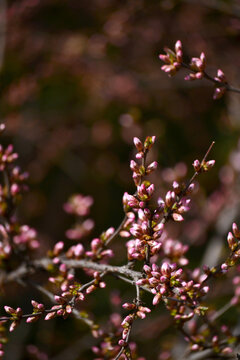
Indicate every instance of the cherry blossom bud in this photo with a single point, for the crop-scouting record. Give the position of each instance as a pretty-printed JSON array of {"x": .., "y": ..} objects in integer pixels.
[
  {"x": 176, "y": 187},
  {"x": 219, "y": 92},
  {"x": 224, "y": 267},
  {"x": 134, "y": 166},
  {"x": 78, "y": 250},
  {"x": 190, "y": 189},
  {"x": 58, "y": 248},
  {"x": 152, "y": 167},
  {"x": 147, "y": 269},
  {"x": 138, "y": 144},
  {"x": 208, "y": 165},
  {"x": 236, "y": 230},
  {"x": 231, "y": 241},
  {"x": 32, "y": 319},
  {"x": 96, "y": 244},
  {"x": 149, "y": 141},
  {"x": 170, "y": 198},
  {"x": 13, "y": 325},
  {"x": 122, "y": 343},
  {"x": 195, "y": 347},
  {"x": 157, "y": 299},
  {"x": 227, "y": 350},
  {"x": 2, "y": 127},
  {"x": 90, "y": 289},
  {"x": 166, "y": 269},
  {"x": 197, "y": 165},
  {"x": 150, "y": 190},
  {"x": 221, "y": 77},
  {"x": 142, "y": 282},
  {"x": 129, "y": 306},
  {"x": 205, "y": 289},
  {"x": 15, "y": 189},
  {"x": 10, "y": 310},
  {"x": 178, "y": 50},
  {"x": 136, "y": 178},
  {"x": 177, "y": 217}
]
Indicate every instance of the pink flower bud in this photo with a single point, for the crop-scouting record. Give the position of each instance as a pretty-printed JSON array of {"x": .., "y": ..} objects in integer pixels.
[
  {"x": 195, "y": 347},
  {"x": 219, "y": 92},
  {"x": 152, "y": 167},
  {"x": 13, "y": 325},
  {"x": 197, "y": 165},
  {"x": 170, "y": 198},
  {"x": 122, "y": 343},
  {"x": 90, "y": 289},
  {"x": 134, "y": 166},
  {"x": 224, "y": 267},
  {"x": 129, "y": 306},
  {"x": 150, "y": 190},
  {"x": 138, "y": 144},
  {"x": 177, "y": 217},
  {"x": 166, "y": 269},
  {"x": 227, "y": 350},
  {"x": 231, "y": 241},
  {"x": 157, "y": 299},
  {"x": 10, "y": 310},
  {"x": 136, "y": 178},
  {"x": 236, "y": 230},
  {"x": 58, "y": 248},
  {"x": 32, "y": 319},
  {"x": 96, "y": 244},
  {"x": 209, "y": 164}
]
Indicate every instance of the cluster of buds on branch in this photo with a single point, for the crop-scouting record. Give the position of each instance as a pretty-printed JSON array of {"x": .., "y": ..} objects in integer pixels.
[
  {"x": 197, "y": 67},
  {"x": 155, "y": 263}
]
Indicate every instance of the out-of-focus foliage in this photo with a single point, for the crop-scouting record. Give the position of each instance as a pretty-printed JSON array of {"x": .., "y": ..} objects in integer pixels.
[{"x": 79, "y": 79}]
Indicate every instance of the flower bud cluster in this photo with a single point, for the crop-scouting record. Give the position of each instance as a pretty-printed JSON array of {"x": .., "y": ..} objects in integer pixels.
[
  {"x": 63, "y": 308},
  {"x": 144, "y": 227},
  {"x": 98, "y": 283},
  {"x": 174, "y": 205},
  {"x": 35, "y": 353},
  {"x": 172, "y": 59},
  {"x": 5, "y": 245},
  {"x": 175, "y": 250},
  {"x": 80, "y": 230},
  {"x": 13, "y": 181},
  {"x": 98, "y": 251},
  {"x": 197, "y": 66},
  {"x": 220, "y": 90},
  {"x": 7, "y": 156},
  {"x": 79, "y": 206},
  {"x": 26, "y": 238},
  {"x": 161, "y": 280},
  {"x": 220, "y": 347},
  {"x": 143, "y": 148},
  {"x": 109, "y": 347},
  {"x": 38, "y": 310},
  {"x": 137, "y": 311},
  {"x": 167, "y": 281},
  {"x": 146, "y": 232},
  {"x": 63, "y": 279},
  {"x": 69, "y": 287},
  {"x": 233, "y": 240},
  {"x": 139, "y": 171},
  {"x": 16, "y": 316},
  {"x": 203, "y": 166}
]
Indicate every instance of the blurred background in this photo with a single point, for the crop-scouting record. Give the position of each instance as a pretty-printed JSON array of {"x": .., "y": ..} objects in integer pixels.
[{"x": 80, "y": 79}]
